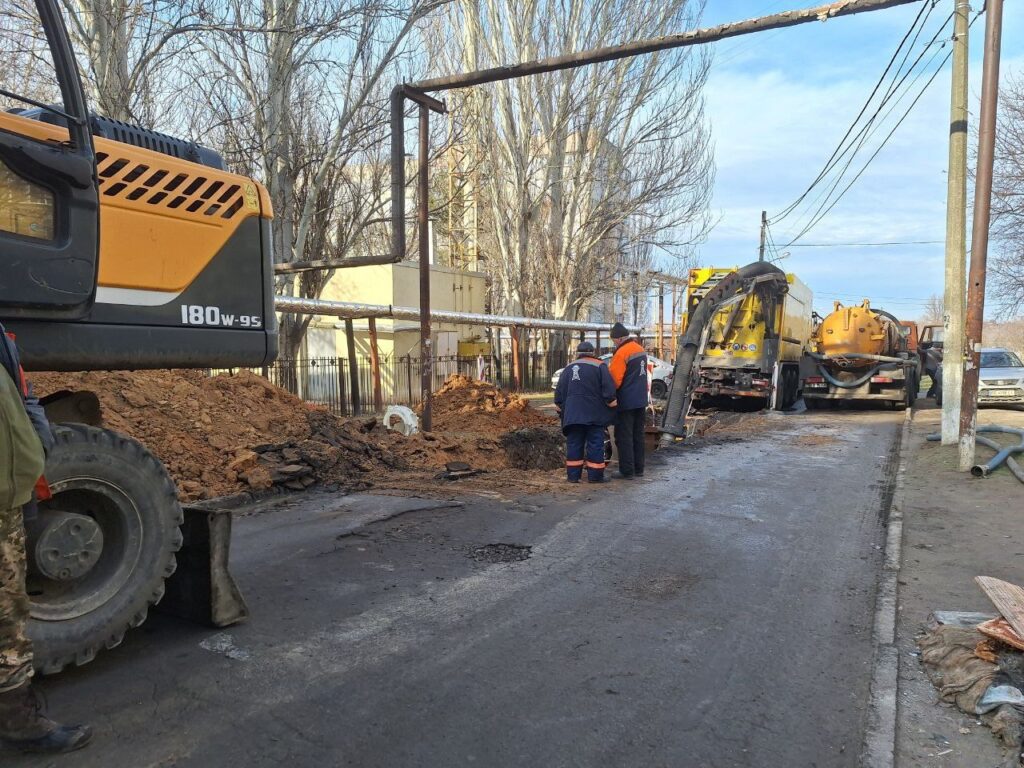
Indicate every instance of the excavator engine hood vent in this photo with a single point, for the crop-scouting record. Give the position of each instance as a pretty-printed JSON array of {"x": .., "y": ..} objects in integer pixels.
[{"x": 115, "y": 130}]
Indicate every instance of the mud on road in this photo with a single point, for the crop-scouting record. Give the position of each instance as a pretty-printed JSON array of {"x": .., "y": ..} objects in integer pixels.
[{"x": 693, "y": 618}]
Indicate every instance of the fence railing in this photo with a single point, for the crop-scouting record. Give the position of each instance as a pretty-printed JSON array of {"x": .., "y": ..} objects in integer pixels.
[{"x": 328, "y": 381}]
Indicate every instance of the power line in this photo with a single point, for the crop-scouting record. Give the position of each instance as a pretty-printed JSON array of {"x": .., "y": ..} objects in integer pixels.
[
  {"x": 824, "y": 211},
  {"x": 869, "y": 129},
  {"x": 866, "y": 245},
  {"x": 922, "y": 18}
]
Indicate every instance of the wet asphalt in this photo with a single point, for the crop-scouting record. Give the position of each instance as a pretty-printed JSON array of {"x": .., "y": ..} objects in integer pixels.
[{"x": 716, "y": 613}]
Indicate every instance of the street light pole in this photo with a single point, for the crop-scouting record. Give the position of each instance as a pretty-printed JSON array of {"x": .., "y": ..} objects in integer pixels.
[{"x": 979, "y": 233}]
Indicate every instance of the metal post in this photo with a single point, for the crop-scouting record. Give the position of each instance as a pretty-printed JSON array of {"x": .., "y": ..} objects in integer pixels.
[
  {"x": 764, "y": 231},
  {"x": 979, "y": 235},
  {"x": 378, "y": 395},
  {"x": 516, "y": 379},
  {"x": 956, "y": 232},
  {"x": 341, "y": 387},
  {"x": 675, "y": 328},
  {"x": 423, "y": 217},
  {"x": 636, "y": 296},
  {"x": 353, "y": 366},
  {"x": 661, "y": 320}
]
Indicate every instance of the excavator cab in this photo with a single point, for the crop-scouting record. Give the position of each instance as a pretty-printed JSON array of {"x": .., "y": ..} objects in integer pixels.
[
  {"x": 121, "y": 248},
  {"x": 49, "y": 197}
]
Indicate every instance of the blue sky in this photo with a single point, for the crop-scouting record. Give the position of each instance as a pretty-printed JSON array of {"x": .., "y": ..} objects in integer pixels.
[{"x": 779, "y": 102}]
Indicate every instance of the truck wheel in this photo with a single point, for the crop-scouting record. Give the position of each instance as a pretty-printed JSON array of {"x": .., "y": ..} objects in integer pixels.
[
  {"x": 658, "y": 389},
  {"x": 100, "y": 549}
]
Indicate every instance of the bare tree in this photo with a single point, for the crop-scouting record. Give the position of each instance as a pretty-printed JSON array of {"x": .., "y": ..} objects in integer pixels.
[
  {"x": 1007, "y": 264},
  {"x": 299, "y": 90},
  {"x": 584, "y": 173},
  {"x": 127, "y": 50},
  {"x": 934, "y": 310}
]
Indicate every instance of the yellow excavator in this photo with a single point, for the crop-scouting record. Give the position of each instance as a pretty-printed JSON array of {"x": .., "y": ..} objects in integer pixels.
[{"x": 121, "y": 248}]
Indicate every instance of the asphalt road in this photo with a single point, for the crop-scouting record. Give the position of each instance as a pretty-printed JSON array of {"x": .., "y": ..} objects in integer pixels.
[{"x": 717, "y": 613}]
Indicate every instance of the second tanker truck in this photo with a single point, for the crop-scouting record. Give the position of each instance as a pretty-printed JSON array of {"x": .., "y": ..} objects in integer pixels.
[{"x": 860, "y": 354}]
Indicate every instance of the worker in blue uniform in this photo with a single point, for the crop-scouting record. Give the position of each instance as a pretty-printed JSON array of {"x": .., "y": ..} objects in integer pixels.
[{"x": 585, "y": 398}]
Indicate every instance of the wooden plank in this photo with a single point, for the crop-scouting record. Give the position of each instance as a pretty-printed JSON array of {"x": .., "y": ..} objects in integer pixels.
[
  {"x": 1001, "y": 630},
  {"x": 1007, "y": 598}
]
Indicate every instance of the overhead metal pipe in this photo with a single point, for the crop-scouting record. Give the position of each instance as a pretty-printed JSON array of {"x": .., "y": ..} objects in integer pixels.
[
  {"x": 585, "y": 58},
  {"x": 651, "y": 45},
  {"x": 353, "y": 310}
]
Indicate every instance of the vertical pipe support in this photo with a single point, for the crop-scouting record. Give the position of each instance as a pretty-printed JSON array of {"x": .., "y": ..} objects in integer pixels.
[
  {"x": 516, "y": 371},
  {"x": 423, "y": 219},
  {"x": 378, "y": 393},
  {"x": 353, "y": 365}
]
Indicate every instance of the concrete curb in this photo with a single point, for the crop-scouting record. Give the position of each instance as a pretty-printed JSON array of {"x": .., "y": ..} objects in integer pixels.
[{"x": 880, "y": 739}]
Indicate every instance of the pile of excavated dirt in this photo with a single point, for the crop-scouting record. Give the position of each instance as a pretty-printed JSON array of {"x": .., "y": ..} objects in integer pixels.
[
  {"x": 463, "y": 404},
  {"x": 230, "y": 434}
]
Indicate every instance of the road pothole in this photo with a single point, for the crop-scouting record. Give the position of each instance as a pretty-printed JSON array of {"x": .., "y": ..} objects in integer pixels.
[{"x": 500, "y": 553}]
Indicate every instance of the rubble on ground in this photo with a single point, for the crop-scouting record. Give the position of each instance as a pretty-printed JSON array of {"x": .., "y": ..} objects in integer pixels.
[
  {"x": 231, "y": 434},
  {"x": 975, "y": 662}
]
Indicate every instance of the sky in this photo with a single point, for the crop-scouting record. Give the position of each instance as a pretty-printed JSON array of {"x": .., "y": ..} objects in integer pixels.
[{"x": 779, "y": 102}]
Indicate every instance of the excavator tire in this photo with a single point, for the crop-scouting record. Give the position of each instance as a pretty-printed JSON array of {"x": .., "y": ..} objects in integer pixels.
[{"x": 110, "y": 533}]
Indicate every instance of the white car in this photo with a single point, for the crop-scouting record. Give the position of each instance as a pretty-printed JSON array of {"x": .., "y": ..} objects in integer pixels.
[
  {"x": 1001, "y": 378},
  {"x": 661, "y": 377}
]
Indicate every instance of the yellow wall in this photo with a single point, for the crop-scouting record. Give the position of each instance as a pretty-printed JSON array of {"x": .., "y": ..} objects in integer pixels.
[{"x": 398, "y": 284}]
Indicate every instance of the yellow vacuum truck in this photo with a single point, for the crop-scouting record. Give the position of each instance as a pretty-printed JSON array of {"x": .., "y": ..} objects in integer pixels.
[
  {"x": 751, "y": 350},
  {"x": 861, "y": 354}
]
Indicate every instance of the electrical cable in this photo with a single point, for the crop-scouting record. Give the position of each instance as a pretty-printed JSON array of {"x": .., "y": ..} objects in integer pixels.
[
  {"x": 867, "y": 245},
  {"x": 823, "y": 211},
  {"x": 872, "y": 126},
  {"x": 921, "y": 18},
  {"x": 826, "y": 207}
]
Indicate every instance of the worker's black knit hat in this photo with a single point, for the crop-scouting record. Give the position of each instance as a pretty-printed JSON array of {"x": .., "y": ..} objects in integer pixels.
[
  {"x": 585, "y": 348},
  {"x": 619, "y": 331}
]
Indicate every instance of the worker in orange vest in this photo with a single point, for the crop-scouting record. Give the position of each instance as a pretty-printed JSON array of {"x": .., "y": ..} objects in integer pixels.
[{"x": 630, "y": 373}]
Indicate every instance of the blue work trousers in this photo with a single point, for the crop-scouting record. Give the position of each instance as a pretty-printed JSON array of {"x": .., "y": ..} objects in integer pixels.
[{"x": 584, "y": 447}]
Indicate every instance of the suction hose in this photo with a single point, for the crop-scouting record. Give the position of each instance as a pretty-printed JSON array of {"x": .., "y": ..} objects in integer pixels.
[
  {"x": 673, "y": 424},
  {"x": 1003, "y": 454}
]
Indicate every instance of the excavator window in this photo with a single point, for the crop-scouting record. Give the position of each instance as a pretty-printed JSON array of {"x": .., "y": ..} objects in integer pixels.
[
  {"x": 26, "y": 209},
  {"x": 49, "y": 199}
]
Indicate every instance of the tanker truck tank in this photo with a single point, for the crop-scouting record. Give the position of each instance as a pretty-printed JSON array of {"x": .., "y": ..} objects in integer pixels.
[{"x": 860, "y": 354}]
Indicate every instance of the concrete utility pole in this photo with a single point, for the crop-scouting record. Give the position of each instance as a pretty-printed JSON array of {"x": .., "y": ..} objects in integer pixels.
[
  {"x": 764, "y": 230},
  {"x": 956, "y": 232},
  {"x": 979, "y": 234}
]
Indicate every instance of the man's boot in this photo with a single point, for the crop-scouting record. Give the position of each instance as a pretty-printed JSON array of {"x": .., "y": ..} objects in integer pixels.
[{"x": 24, "y": 726}]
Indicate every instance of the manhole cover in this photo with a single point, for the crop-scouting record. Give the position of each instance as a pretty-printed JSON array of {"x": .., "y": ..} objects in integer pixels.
[{"x": 500, "y": 553}]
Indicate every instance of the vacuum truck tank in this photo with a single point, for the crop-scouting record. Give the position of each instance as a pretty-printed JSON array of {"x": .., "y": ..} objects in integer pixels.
[{"x": 861, "y": 354}]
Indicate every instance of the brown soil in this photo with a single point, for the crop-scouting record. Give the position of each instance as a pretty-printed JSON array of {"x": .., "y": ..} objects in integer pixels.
[
  {"x": 463, "y": 404},
  {"x": 229, "y": 434}
]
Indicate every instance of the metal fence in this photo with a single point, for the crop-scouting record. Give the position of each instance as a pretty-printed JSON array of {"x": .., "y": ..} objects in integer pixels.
[{"x": 328, "y": 381}]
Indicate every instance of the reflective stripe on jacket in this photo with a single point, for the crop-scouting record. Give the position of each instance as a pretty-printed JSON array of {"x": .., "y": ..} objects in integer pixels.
[
  {"x": 585, "y": 392},
  {"x": 629, "y": 372}
]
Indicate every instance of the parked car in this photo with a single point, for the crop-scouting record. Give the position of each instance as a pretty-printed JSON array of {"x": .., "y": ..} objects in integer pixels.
[
  {"x": 660, "y": 377},
  {"x": 1001, "y": 378}
]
